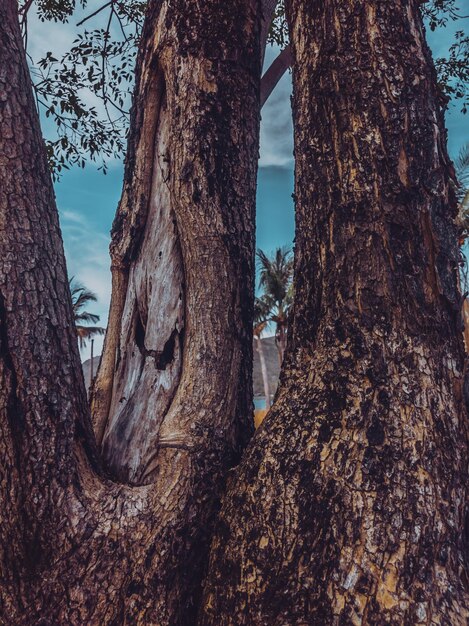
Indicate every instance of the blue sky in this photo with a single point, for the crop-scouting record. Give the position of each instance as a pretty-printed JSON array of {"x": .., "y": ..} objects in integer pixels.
[{"x": 87, "y": 199}]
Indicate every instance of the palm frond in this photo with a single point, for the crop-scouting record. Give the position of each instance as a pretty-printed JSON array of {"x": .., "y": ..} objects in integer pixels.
[
  {"x": 83, "y": 297},
  {"x": 87, "y": 318},
  {"x": 261, "y": 310},
  {"x": 86, "y": 332},
  {"x": 89, "y": 331},
  {"x": 275, "y": 275},
  {"x": 80, "y": 297},
  {"x": 461, "y": 165}
]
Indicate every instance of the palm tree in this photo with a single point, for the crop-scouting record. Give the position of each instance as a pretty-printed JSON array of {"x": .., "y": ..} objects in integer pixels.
[
  {"x": 261, "y": 313},
  {"x": 461, "y": 165},
  {"x": 462, "y": 193},
  {"x": 276, "y": 275},
  {"x": 81, "y": 296}
]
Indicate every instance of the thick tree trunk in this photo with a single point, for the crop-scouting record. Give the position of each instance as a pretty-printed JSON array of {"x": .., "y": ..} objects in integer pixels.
[
  {"x": 43, "y": 404},
  {"x": 357, "y": 479},
  {"x": 141, "y": 366},
  {"x": 76, "y": 547},
  {"x": 182, "y": 246}
]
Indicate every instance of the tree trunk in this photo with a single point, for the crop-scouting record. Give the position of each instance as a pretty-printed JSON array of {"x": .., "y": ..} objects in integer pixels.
[
  {"x": 182, "y": 248},
  {"x": 281, "y": 341},
  {"x": 78, "y": 548},
  {"x": 141, "y": 380},
  {"x": 357, "y": 479},
  {"x": 265, "y": 374}
]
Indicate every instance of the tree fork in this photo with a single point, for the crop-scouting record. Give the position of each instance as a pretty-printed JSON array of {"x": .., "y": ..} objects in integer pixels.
[
  {"x": 79, "y": 548},
  {"x": 357, "y": 479}
]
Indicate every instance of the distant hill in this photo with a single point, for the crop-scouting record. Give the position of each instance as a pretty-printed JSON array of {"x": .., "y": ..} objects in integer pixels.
[
  {"x": 87, "y": 370},
  {"x": 271, "y": 358}
]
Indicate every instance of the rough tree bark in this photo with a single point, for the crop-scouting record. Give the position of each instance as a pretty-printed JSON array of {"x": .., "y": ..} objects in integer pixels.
[
  {"x": 349, "y": 506},
  {"x": 141, "y": 365},
  {"x": 141, "y": 377},
  {"x": 78, "y": 547}
]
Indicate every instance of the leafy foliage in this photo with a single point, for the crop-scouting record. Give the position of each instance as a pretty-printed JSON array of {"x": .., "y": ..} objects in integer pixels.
[
  {"x": 261, "y": 316},
  {"x": 87, "y": 92},
  {"x": 276, "y": 274},
  {"x": 57, "y": 10},
  {"x": 278, "y": 33},
  {"x": 462, "y": 192},
  {"x": 462, "y": 173},
  {"x": 453, "y": 71},
  {"x": 276, "y": 281},
  {"x": 438, "y": 12}
]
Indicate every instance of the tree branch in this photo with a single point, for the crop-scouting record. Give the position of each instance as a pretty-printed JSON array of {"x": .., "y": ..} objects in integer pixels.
[
  {"x": 274, "y": 73},
  {"x": 101, "y": 8},
  {"x": 25, "y": 8},
  {"x": 268, "y": 9}
]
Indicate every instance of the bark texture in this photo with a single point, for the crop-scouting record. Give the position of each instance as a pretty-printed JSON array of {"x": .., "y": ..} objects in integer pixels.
[
  {"x": 141, "y": 365},
  {"x": 183, "y": 242},
  {"x": 349, "y": 506},
  {"x": 77, "y": 547}
]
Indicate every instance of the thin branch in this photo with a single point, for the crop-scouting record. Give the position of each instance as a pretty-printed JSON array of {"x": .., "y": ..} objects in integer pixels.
[
  {"x": 119, "y": 19},
  {"x": 123, "y": 113},
  {"x": 103, "y": 63},
  {"x": 88, "y": 17},
  {"x": 27, "y": 5}
]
